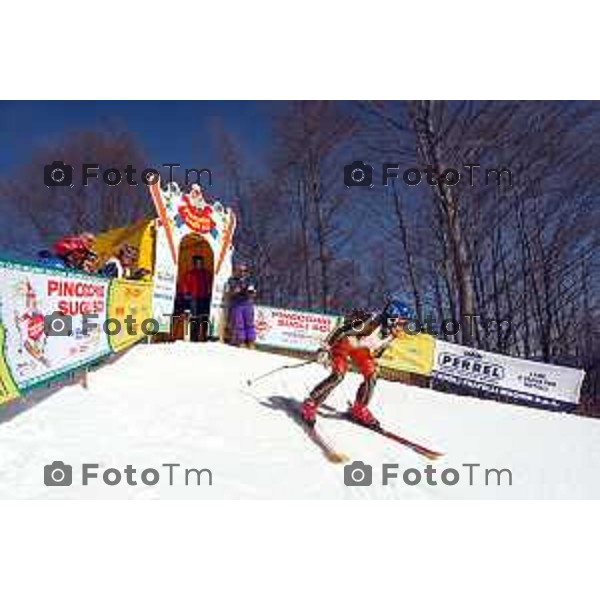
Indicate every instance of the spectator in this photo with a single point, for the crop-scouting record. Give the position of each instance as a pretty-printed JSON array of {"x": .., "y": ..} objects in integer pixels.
[
  {"x": 74, "y": 244},
  {"x": 121, "y": 265},
  {"x": 195, "y": 292},
  {"x": 74, "y": 250},
  {"x": 88, "y": 263},
  {"x": 241, "y": 292}
]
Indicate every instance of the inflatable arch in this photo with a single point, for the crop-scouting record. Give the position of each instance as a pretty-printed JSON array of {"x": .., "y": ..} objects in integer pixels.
[{"x": 187, "y": 225}]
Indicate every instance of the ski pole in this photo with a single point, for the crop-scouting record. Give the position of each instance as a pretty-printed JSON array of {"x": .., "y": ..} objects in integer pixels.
[{"x": 268, "y": 374}]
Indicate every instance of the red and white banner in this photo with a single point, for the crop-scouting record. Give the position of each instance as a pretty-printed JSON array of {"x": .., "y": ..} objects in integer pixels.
[
  {"x": 292, "y": 329},
  {"x": 28, "y": 296}
]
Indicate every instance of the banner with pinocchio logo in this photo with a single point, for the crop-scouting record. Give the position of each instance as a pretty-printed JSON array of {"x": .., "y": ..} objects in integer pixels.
[{"x": 42, "y": 312}]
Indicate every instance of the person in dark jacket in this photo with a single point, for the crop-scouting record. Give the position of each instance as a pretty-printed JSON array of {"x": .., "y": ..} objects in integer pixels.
[
  {"x": 194, "y": 293},
  {"x": 241, "y": 293}
]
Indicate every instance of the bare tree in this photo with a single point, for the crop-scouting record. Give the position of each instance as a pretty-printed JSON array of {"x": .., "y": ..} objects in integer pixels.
[
  {"x": 54, "y": 211},
  {"x": 308, "y": 139},
  {"x": 527, "y": 251}
]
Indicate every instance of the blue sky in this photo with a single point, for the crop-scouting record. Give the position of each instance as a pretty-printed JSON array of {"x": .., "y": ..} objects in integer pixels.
[{"x": 170, "y": 131}]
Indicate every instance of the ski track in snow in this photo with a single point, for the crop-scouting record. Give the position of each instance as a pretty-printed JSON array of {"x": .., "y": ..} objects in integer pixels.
[{"x": 189, "y": 404}]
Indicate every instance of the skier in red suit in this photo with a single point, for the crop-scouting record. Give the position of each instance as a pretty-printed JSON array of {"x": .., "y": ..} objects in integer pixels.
[{"x": 360, "y": 339}]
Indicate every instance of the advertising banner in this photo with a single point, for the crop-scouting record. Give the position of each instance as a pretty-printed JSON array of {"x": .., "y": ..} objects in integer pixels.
[
  {"x": 218, "y": 305},
  {"x": 292, "y": 329},
  {"x": 411, "y": 354},
  {"x": 8, "y": 387},
  {"x": 222, "y": 273},
  {"x": 165, "y": 281},
  {"x": 128, "y": 300},
  {"x": 525, "y": 380},
  {"x": 29, "y": 295}
]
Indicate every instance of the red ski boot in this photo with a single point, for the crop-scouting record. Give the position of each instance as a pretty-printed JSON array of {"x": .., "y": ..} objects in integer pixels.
[
  {"x": 309, "y": 412},
  {"x": 361, "y": 414}
]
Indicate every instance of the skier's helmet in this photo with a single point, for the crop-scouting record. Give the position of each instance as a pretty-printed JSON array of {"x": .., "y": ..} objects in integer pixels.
[{"x": 396, "y": 309}]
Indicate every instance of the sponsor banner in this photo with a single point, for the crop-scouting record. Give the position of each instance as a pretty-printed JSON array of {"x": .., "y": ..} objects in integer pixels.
[
  {"x": 292, "y": 329},
  {"x": 8, "y": 387},
  {"x": 28, "y": 294},
  {"x": 165, "y": 281},
  {"x": 410, "y": 353},
  {"x": 520, "y": 379},
  {"x": 128, "y": 300},
  {"x": 218, "y": 308}
]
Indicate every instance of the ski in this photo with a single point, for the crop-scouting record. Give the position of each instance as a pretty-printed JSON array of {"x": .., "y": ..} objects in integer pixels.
[
  {"x": 328, "y": 450},
  {"x": 331, "y": 454},
  {"x": 422, "y": 450},
  {"x": 418, "y": 448},
  {"x": 414, "y": 446}
]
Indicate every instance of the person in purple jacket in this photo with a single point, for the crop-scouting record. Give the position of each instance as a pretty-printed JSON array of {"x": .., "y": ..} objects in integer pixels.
[{"x": 241, "y": 292}]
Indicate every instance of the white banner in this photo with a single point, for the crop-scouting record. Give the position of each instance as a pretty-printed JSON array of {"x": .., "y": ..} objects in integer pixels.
[
  {"x": 292, "y": 329},
  {"x": 30, "y": 294},
  {"x": 218, "y": 308},
  {"x": 165, "y": 281},
  {"x": 514, "y": 377}
]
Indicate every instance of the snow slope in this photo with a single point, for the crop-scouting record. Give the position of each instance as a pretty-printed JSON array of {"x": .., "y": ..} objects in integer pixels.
[{"x": 189, "y": 404}]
